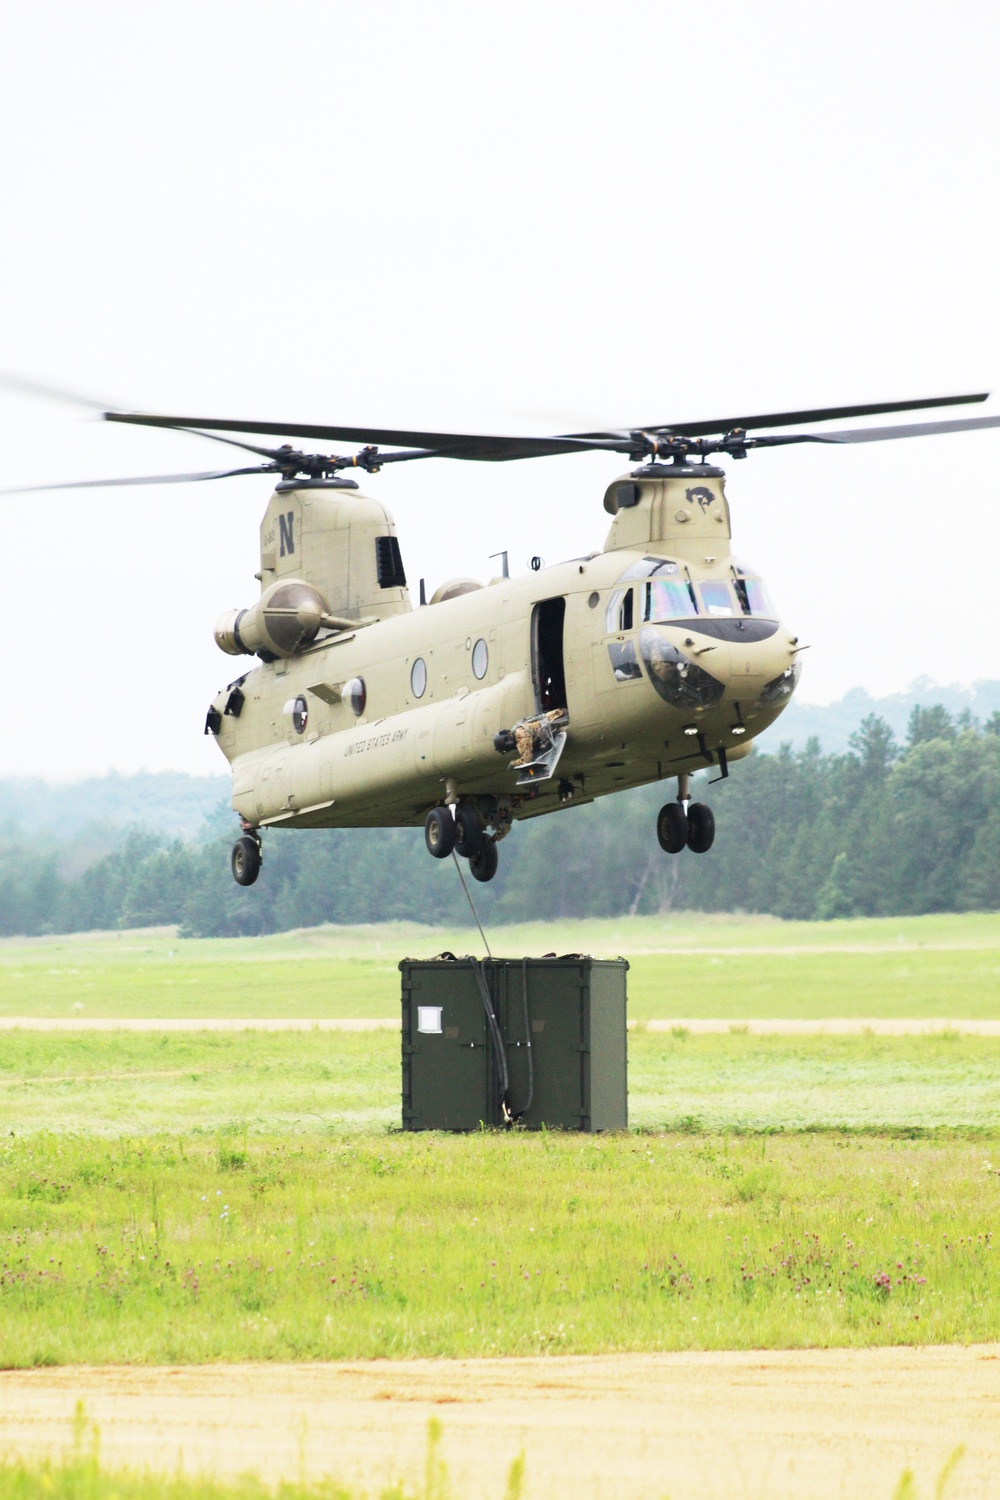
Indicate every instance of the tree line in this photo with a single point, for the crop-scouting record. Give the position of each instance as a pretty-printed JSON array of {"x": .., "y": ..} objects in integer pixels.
[{"x": 881, "y": 830}]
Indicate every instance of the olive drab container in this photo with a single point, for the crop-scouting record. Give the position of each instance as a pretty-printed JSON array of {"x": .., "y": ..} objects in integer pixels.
[{"x": 529, "y": 1041}]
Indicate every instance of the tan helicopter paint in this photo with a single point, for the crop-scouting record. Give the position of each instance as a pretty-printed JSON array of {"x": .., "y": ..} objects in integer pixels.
[{"x": 405, "y": 755}]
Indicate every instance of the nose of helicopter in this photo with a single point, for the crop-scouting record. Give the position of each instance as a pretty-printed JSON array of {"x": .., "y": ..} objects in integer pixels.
[
  {"x": 762, "y": 674},
  {"x": 753, "y": 668}
]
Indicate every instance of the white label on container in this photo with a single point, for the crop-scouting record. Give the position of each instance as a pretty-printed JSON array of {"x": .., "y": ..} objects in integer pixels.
[{"x": 429, "y": 1018}]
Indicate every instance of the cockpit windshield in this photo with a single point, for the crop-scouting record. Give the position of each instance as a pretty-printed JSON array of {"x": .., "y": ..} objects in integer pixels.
[
  {"x": 668, "y": 599},
  {"x": 676, "y": 598},
  {"x": 753, "y": 597},
  {"x": 717, "y": 597},
  {"x": 760, "y": 603}
]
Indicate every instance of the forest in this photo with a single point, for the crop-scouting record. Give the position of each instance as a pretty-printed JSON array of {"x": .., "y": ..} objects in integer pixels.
[{"x": 882, "y": 829}]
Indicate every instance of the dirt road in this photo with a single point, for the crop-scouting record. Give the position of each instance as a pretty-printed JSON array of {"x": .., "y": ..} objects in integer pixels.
[{"x": 761, "y": 1425}]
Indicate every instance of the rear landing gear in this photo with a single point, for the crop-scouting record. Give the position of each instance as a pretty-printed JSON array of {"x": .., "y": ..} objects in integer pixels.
[
  {"x": 245, "y": 858},
  {"x": 461, "y": 830},
  {"x": 683, "y": 823},
  {"x": 469, "y": 833},
  {"x": 439, "y": 832},
  {"x": 483, "y": 864}
]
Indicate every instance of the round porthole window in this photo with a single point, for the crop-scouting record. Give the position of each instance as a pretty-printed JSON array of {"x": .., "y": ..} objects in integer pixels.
[
  {"x": 418, "y": 678},
  {"x": 355, "y": 695},
  {"x": 480, "y": 658},
  {"x": 300, "y": 715}
]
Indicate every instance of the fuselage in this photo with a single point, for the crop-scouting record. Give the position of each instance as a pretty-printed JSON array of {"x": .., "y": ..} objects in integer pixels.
[{"x": 665, "y": 656}]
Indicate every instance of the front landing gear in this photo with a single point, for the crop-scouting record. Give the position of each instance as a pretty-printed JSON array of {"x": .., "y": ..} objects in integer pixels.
[
  {"x": 672, "y": 827},
  {"x": 701, "y": 828},
  {"x": 246, "y": 857},
  {"x": 683, "y": 823}
]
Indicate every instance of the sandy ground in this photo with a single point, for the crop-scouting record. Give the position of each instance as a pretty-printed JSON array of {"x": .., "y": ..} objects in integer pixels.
[
  {"x": 760, "y": 1425},
  {"x": 831, "y": 1026}
]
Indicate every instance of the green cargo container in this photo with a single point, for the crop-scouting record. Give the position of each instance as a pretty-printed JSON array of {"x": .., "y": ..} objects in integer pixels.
[{"x": 558, "y": 1027}]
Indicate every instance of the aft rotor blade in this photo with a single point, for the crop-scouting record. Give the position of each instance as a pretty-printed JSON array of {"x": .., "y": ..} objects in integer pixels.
[
  {"x": 466, "y": 445},
  {"x": 283, "y": 458},
  {"x": 792, "y": 418},
  {"x": 216, "y": 438},
  {"x": 90, "y": 484},
  {"x": 23, "y": 385},
  {"x": 496, "y": 448}
]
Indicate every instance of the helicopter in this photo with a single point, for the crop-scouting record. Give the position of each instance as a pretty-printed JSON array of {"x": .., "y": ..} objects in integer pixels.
[{"x": 484, "y": 705}]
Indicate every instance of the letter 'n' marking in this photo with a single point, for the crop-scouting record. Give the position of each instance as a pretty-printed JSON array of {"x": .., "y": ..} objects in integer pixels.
[{"x": 286, "y": 529}]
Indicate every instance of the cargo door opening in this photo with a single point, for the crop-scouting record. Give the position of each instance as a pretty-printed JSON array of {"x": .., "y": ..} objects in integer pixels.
[{"x": 547, "y": 671}]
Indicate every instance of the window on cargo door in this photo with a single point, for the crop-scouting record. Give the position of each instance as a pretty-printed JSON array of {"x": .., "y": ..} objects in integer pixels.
[{"x": 624, "y": 662}]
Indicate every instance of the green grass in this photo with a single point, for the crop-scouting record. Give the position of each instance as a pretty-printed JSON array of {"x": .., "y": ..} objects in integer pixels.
[
  {"x": 177, "y": 1250},
  {"x": 323, "y": 1083},
  {"x": 197, "y": 1196},
  {"x": 81, "y": 1476},
  {"x": 685, "y": 965},
  {"x": 88, "y": 1479},
  {"x": 201, "y": 1197}
]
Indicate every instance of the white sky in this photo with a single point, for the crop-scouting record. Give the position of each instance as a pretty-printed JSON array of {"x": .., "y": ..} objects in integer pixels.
[{"x": 527, "y": 217}]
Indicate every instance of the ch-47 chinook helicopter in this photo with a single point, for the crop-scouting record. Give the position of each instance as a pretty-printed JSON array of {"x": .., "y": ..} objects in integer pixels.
[{"x": 656, "y": 657}]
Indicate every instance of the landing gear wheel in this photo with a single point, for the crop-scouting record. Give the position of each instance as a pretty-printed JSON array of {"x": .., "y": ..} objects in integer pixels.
[
  {"x": 483, "y": 863},
  {"x": 439, "y": 832},
  {"x": 469, "y": 834},
  {"x": 672, "y": 827},
  {"x": 701, "y": 828},
  {"x": 245, "y": 860}
]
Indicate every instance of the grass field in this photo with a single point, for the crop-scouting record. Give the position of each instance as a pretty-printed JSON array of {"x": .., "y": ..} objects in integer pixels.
[
  {"x": 686, "y": 966},
  {"x": 200, "y": 1197},
  {"x": 182, "y": 1250},
  {"x": 323, "y": 1083}
]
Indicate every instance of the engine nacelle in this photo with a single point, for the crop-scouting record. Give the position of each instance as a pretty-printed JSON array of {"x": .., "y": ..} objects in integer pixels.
[{"x": 286, "y": 617}]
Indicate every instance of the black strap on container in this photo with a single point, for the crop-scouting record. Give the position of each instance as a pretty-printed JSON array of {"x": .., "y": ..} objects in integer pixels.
[
  {"x": 499, "y": 1050},
  {"x": 527, "y": 1038}
]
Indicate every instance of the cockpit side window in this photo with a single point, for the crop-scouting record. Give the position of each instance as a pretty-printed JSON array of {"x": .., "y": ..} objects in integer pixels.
[
  {"x": 646, "y": 567},
  {"x": 619, "y": 614},
  {"x": 669, "y": 599}
]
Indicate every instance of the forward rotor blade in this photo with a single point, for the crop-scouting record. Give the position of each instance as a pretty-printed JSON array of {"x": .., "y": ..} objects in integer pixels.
[
  {"x": 878, "y": 434},
  {"x": 910, "y": 429},
  {"x": 794, "y": 418},
  {"x": 90, "y": 484}
]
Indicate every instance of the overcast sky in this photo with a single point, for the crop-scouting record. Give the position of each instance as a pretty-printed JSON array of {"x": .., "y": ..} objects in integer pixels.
[{"x": 529, "y": 217}]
